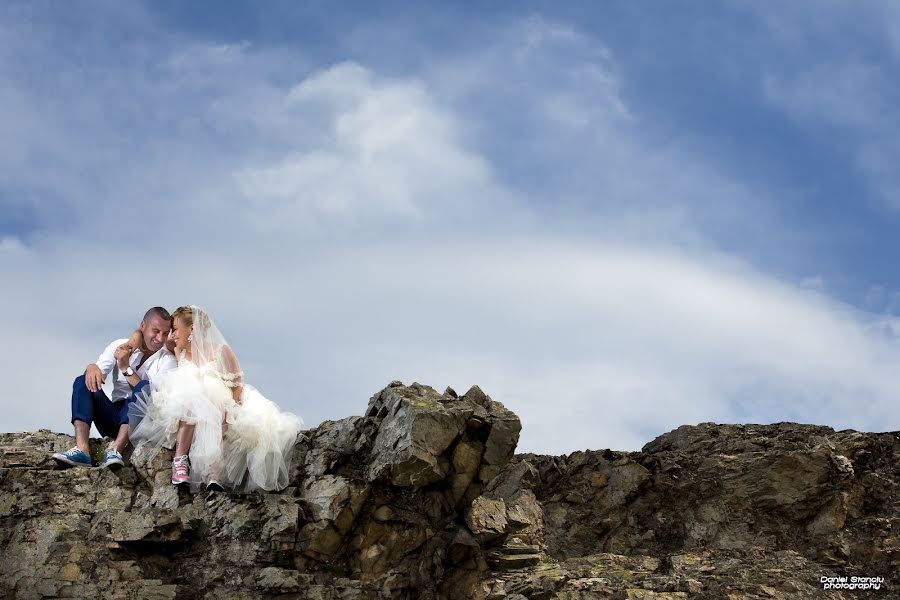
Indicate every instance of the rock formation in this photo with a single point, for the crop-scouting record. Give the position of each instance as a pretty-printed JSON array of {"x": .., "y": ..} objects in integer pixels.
[{"x": 423, "y": 497}]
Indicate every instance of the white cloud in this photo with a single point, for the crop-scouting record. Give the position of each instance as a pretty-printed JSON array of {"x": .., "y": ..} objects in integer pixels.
[
  {"x": 11, "y": 245},
  {"x": 390, "y": 152},
  {"x": 593, "y": 345}
]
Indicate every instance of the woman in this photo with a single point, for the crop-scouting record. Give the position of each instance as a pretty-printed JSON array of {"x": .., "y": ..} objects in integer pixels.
[{"x": 224, "y": 431}]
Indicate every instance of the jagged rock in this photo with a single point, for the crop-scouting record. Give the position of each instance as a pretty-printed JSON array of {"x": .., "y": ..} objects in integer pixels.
[
  {"x": 334, "y": 499},
  {"x": 769, "y": 508},
  {"x": 331, "y": 505},
  {"x": 517, "y": 476},
  {"x": 502, "y": 437},
  {"x": 465, "y": 460},
  {"x": 524, "y": 514},
  {"x": 415, "y": 429},
  {"x": 423, "y": 498},
  {"x": 360, "y": 519},
  {"x": 486, "y": 519},
  {"x": 276, "y": 580}
]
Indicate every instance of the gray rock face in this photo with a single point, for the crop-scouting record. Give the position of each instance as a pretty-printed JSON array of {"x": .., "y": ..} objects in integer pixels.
[
  {"x": 716, "y": 511},
  {"x": 332, "y": 504},
  {"x": 415, "y": 429},
  {"x": 423, "y": 498},
  {"x": 373, "y": 510},
  {"x": 486, "y": 518}
]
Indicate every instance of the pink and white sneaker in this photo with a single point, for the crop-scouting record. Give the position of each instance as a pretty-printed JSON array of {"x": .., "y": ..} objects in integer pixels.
[{"x": 181, "y": 470}]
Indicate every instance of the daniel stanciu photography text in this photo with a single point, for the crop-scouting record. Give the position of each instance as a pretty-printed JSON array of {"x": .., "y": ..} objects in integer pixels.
[{"x": 852, "y": 583}]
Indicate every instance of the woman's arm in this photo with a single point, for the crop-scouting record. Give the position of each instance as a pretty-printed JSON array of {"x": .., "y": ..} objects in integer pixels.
[
  {"x": 135, "y": 342},
  {"x": 234, "y": 377}
]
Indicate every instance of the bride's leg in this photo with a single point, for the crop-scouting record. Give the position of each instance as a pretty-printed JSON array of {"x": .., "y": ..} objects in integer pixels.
[
  {"x": 183, "y": 438},
  {"x": 181, "y": 466}
]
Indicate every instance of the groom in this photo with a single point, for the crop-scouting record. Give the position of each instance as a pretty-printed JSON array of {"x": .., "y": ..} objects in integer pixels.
[{"x": 131, "y": 368}]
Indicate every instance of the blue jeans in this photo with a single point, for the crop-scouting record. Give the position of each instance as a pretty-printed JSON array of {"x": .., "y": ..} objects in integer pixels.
[{"x": 96, "y": 408}]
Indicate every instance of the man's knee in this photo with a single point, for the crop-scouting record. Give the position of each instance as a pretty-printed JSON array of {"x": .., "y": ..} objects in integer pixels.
[{"x": 82, "y": 401}]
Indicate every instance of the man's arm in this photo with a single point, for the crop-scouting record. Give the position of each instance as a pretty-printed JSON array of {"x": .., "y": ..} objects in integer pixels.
[
  {"x": 95, "y": 373},
  {"x": 123, "y": 356},
  {"x": 135, "y": 342}
]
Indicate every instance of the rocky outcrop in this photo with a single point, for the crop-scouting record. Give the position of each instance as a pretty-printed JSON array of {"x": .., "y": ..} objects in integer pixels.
[
  {"x": 374, "y": 509},
  {"x": 717, "y": 511},
  {"x": 422, "y": 497}
]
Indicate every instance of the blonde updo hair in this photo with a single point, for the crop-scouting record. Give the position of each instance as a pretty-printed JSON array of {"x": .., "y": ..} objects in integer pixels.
[{"x": 187, "y": 313}]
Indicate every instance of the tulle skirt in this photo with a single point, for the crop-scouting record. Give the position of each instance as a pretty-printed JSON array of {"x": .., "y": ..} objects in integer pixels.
[{"x": 244, "y": 446}]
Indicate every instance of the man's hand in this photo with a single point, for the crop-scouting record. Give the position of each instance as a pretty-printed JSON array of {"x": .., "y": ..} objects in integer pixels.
[
  {"x": 126, "y": 348},
  {"x": 93, "y": 378},
  {"x": 136, "y": 341},
  {"x": 122, "y": 354}
]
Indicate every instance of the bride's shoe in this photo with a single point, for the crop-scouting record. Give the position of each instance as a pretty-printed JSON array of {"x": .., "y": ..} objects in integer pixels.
[{"x": 181, "y": 470}]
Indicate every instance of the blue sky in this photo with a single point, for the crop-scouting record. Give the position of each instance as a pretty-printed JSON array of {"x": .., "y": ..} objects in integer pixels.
[{"x": 615, "y": 217}]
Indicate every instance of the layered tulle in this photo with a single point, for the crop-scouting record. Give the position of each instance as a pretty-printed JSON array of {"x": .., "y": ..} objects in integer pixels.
[
  {"x": 244, "y": 446},
  {"x": 259, "y": 443}
]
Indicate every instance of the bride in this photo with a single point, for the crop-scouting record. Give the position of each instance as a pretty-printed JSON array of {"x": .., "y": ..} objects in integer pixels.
[{"x": 225, "y": 432}]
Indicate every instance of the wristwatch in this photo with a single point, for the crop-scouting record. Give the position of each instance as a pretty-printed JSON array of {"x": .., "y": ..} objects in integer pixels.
[{"x": 128, "y": 372}]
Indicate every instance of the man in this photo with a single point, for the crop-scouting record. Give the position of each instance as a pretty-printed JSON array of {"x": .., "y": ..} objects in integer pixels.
[{"x": 132, "y": 369}]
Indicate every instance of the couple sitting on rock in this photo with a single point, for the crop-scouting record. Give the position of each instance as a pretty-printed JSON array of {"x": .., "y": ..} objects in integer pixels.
[{"x": 177, "y": 383}]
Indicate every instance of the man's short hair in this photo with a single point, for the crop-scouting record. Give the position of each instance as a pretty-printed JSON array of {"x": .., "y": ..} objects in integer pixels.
[{"x": 157, "y": 311}]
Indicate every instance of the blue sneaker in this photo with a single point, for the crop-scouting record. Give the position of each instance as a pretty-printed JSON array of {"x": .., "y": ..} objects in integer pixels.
[
  {"x": 112, "y": 459},
  {"x": 73, "y": 458}
]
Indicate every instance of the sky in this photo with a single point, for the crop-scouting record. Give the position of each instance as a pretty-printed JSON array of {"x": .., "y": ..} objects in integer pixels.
[{"x": 616, "y": 218}]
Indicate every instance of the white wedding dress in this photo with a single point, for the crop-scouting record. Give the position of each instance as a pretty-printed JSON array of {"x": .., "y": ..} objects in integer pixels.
[{"x": 244, "y": 445}]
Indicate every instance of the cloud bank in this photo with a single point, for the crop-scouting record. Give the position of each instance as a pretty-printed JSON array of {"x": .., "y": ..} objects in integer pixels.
[{"x": 505, "y": 217}]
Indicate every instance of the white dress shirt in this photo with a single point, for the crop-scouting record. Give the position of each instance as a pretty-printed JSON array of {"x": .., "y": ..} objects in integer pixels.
[{"x": 162, "y": 360}]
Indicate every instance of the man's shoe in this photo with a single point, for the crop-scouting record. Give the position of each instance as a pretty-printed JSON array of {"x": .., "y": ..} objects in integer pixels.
[
  {"x": 73, "y": 458},
  {"x": 112, "y": 459},
  {"x": 181, "y": 470},
  {"x": 214, "y": 486}
]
